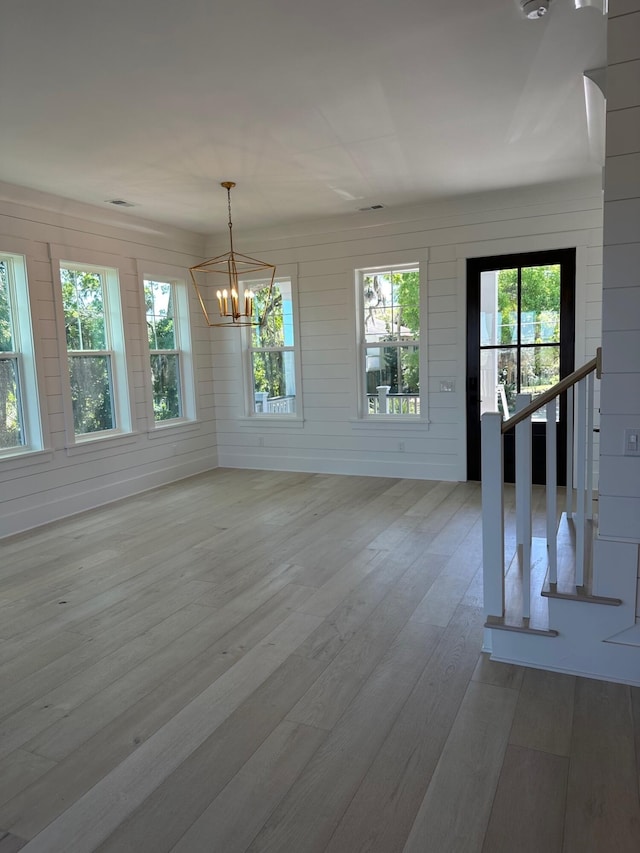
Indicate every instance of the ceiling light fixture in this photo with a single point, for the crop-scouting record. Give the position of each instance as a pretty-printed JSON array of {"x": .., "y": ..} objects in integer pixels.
[
  {"x": 237, "y": 304},
  {"x": 534, "y": 9}
]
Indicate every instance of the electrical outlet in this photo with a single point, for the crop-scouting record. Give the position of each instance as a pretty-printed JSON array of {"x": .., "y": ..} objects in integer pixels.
[
  {"x": 632, "y": 442},
  {"x": 260, "y": 441},
  {"x": 448, "y": 385},
  {"x": 401, "y": 446}
]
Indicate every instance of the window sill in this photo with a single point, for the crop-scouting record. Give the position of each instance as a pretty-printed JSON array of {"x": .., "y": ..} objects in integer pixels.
[
  {"x": 167, "y": 428},
  {"x": 390, "y": 422},
  {"x": 272, "y": 421},
  {"x": 20, "y": 458},
  {"x": 88, "y": 445}
]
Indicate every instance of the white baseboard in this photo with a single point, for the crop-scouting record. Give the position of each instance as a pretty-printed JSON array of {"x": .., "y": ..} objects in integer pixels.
[
  {"x": 54, "y": 510},
  {"x": 317, "y": 465}
]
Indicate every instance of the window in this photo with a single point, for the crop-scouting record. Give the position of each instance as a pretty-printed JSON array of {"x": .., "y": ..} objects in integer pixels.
[
  {"x": 272, "y": 353},
  {"x": 389, "y": 329},
  {"x": 95, "y": 350},
  {"x": 163, "y": 332},
  {"x": 19, "y": 409}
]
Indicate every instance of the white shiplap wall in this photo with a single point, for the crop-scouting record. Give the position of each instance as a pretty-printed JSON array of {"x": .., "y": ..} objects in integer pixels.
[
  {"x": 40, "y": 488},
  {"x": 326, "y": 254},
  {"x": 620, "y": 474}
]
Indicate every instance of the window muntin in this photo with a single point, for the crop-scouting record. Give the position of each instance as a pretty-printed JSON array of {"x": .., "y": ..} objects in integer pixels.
[
  {"x": 20, "y": 428},
  {"x": 164, "y": 351},
  {"x": 272, "y": 355},
  {"x": 389, "y": 306},
  {"x": 95, "y": 350}
]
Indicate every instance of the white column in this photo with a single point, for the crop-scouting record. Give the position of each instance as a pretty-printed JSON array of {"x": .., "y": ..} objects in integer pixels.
[
  {"x": 590, "y": 403},
  {"x": 581, "y": 459},
  {"x": 569, "y": 480},
  {"x": 552, "y": 492},
  {"x": 523, "y": 501},
  {"x": 492, "y": 514}
]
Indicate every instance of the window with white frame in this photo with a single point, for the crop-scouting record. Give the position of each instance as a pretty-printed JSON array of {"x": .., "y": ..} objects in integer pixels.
[
  {"x": 163, "y": 333},
  {"x": 166, "y": 305},
  {"x": 95, "y": 350},
  {"x": 272, "y": 352},
  {"x": 389, "y": 313},
  {"x": 20, "y": 428}
]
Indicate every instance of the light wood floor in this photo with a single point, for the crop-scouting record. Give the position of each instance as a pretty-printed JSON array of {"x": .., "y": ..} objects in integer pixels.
[{"x": 289, "y": 662}]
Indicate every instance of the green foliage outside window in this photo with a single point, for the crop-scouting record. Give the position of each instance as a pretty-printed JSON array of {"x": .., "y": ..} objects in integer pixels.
[
  {"x": 392, "y": 304},
  {"x": 540, "y": 297},
  {"x": 539, "y": 325},
  {"x": 268, "y": 367},
  {"x": 10, "y": 427},
  {"x": 90, "y": 376},
  {"x": 165, "y": 373}
]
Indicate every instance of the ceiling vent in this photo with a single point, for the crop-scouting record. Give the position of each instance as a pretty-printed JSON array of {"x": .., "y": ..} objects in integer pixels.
[
  {"x": 120, "y": 202},
  {"x": 372, "y": 207}
]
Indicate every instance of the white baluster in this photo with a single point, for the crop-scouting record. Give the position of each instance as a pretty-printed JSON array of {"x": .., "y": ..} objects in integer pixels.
[
  {"x": 581, "y": 433},
  {"x": 492, "y": 514},
  {"x": 569, "y": 480},
  {"x": 523, "y": 501},
  {"x": 589, "y": 487},
  {"x": 552, "y": 492}
]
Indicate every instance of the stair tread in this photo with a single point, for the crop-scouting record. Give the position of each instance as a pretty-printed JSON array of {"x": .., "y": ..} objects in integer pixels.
[
  {"x": 523, "y": 628},
  {"x": 566, "y": 588}
]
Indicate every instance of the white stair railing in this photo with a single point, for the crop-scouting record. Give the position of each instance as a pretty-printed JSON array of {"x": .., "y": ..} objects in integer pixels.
[{"x": 579, "y": 441}]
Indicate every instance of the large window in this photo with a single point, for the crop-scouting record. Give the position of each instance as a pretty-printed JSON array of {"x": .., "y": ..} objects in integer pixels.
[
  {"x": 164, "y": 351},
  {"x": 19, "y": 410},
  {"x": 389, "y": 329},
  {"x": 272, "y": 353},
  {"x": 95, "y": 350}
]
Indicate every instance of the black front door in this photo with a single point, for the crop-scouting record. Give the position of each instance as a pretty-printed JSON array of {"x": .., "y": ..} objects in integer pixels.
[{"x": 520, "y": 339}]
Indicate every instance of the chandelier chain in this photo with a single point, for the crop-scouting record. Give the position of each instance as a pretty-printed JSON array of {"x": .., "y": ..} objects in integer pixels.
[{"x": 230, "y": 223}]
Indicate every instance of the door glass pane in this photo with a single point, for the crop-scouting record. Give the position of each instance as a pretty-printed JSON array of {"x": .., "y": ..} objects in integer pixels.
[
  {"x": 539, "y": 370},
  {"x": 498, "y": 381},
  {"x": 498, "y": 307},
  {"x": 540, "y": 304},
  {"x": 90, "y": 377}
]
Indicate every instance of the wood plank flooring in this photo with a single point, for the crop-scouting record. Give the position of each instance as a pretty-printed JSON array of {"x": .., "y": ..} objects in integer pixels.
[{"x": 289, "y": 663}]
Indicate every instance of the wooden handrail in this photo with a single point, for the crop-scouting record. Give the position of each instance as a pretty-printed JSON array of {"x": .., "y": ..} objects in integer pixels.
[{"x": 553, "y": 392}]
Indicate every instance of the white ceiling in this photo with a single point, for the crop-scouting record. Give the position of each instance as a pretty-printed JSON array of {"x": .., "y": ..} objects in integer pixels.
[{"x": 314, "y": 109}]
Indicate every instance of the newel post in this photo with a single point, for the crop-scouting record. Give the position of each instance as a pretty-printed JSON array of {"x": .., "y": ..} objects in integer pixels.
[
  {"x": 383, "y": 399},
  {"x": 492, "y": 514}
]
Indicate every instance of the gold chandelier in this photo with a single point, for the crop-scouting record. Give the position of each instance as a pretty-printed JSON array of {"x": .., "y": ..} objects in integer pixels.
[{"x": 237, "y": 305}]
